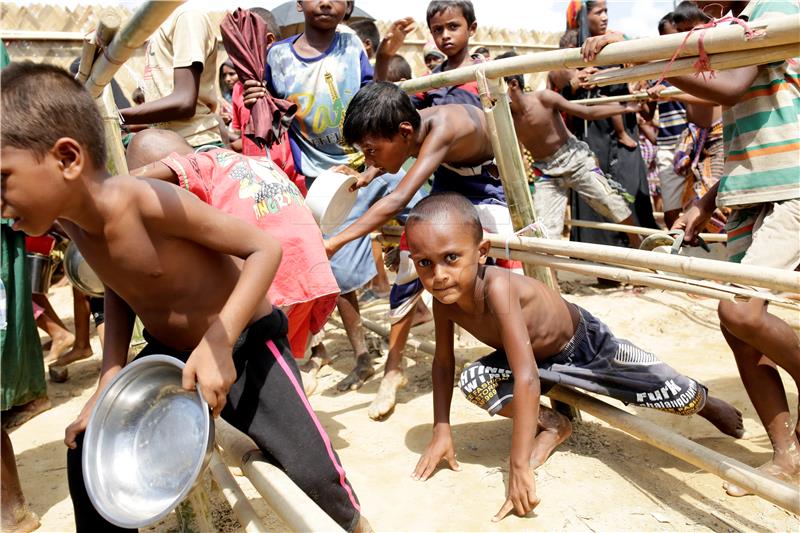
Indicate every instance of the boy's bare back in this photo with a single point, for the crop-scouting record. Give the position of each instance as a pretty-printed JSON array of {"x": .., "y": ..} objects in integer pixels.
[
  {"x": 143, "y": 248},
  {"x": 551, "y": 321},
  {"x": 460, "y": 130},
  {"x": 538, "y": 123}
]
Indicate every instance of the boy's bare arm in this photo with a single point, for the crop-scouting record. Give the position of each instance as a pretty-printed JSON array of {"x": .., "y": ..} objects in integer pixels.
[
  {"x": 726, "y": 88},
  {"x": 586, "y": 112},
  {"x": 443, "y": 371},
  {"x": 184, "y": 216},
  {"x": 181, "y": 104},
  {"x": 504, "y": 304},
  {"x": 119, "y": 319},
  {"x": 157, "y": 171},
  {"x": 431, "y": 155},
  {"x": 390, "y": 45}
]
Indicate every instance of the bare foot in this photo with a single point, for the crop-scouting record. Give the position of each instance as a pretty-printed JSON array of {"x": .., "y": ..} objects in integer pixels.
[
  {"x": 627, "y": 141},
  {"x": 75, "y": 354},
  {"x": 61, "y": 343},
  {"x": 309, "y": 382},
  {"x": 787, "y": 475},
  {"x": 315, "y": 364},
  {"x": 360, "y": 374},
  {"x": 384, "y": 401},
  {"x": 724, "y": 416},
  {"x": 24, "y": 521},
  {"x": 16, "y": 416},
  {"x": 554, "y": 428},
  {"x": 421, "y": 315}
]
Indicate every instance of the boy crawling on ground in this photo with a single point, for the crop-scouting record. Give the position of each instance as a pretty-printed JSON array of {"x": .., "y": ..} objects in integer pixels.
[
  {"x": 537, "y": 334},
  {"x": 197, "y": 279}
]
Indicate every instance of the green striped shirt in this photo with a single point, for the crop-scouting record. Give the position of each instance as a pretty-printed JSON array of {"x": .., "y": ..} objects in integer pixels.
[{"x": 762, "y": 131}]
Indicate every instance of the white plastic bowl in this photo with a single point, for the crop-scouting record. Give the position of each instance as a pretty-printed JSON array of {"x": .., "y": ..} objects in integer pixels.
[{"x": 330, "y": 200}]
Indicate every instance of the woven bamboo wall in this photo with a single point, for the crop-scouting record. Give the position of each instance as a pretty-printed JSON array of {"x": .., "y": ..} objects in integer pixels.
[{"x": 42, "y": 17}]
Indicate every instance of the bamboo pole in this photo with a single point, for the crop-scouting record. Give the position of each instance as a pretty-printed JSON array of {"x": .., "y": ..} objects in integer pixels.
[
  {"x": 683, "y": 67},
  {"x": 141, "y": 25},
  {"x": 511, "y": 166},
  {"x": 770, "y": 278},
  {"x": 88, "y": 52},
  {"x": 731, "y": 470},
  {"x": 35, "y": 35},
  {"x": 775, "y": 31},
  {"x": 291, "y": 504},
  {"x": 704, "y": 288},
  {"x": 234, "y": 495},
  {"x": 107, "y": 27},
  {"x": 116, "y": 165},
  {"x": 670, "y": 91},
  {"x": 194, "y": 512},
  {"x": 708, "y": 237}
]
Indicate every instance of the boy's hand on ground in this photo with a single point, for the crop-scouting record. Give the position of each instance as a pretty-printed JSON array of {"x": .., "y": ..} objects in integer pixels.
[
  {"x": 395, "y": 36},
  {"x": 522, "y": 498},
  {"x": 441, "y": 447},
  {"x": 211, "y": 366},
  {"x": 253, "y": 90}
]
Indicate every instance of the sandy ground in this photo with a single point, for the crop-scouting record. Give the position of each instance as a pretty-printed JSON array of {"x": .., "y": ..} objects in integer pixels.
[{"x": 600, "y": 480}]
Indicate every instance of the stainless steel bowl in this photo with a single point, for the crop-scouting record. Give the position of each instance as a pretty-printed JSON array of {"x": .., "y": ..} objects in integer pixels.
[
  {"x": 147, "y": 442},
  {"x": 41, "y": 268},
  {"x": 80, "y": 274}
]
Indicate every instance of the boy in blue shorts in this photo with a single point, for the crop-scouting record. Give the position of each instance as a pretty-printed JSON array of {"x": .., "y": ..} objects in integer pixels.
[
  {"x": 196, "y": 278},
  {"x": 537, "y": 335}
]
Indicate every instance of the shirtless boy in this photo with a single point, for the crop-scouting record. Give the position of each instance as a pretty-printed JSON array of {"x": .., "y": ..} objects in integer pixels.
[
  {"x": 564, "y": 161},
  {"x": 195, "y": 277},
  {"x": 536, "y": 334}
]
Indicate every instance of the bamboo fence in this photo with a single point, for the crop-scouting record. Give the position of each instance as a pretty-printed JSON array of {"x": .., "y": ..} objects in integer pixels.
[{"x": 609, "y": 226}]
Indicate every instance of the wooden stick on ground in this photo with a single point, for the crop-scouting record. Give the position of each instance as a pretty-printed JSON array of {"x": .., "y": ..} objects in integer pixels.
[
  {"x": 232, "y": 492},
  {"x": 291, "y": 504}
]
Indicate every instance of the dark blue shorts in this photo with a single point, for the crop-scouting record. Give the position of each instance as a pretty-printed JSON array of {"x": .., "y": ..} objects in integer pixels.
[{"x": 596, "y": 361}]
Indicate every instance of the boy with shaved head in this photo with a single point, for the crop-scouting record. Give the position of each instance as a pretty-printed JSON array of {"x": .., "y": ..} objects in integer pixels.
[{"x": 537, "y": 335}]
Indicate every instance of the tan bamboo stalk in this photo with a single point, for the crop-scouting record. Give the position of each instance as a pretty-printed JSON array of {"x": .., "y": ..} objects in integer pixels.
[
  {"x": 35, "y": 35},
  {"x": 234, "y": 495},
  {"x": 670, "y": 91},
  {"x": 708, "y": 237},
  {"x": 705, "y": 288},
  {"x": 291, "y": 504},
  {"x": 510, "y": 165},
  {"x": 770, "y": 278},
  {"x": 731, "y": 470},
  {"x": 383, "y": 331},
  {"x": 88, "y": 52},
  {"x": 116, "y": 163},
  {"x": 141, "y": 25},
  {"x": 776, "y": 31},
  {"x": 682, "y": 67}
]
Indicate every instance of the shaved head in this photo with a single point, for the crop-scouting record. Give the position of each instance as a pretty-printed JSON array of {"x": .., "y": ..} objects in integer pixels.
[
  {"x": 151, "y": 145},
  {"x": 447, "y": 208}
]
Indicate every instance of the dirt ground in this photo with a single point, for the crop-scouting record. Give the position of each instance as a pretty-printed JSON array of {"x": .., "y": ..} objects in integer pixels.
[{"x": 601, "y": 479}]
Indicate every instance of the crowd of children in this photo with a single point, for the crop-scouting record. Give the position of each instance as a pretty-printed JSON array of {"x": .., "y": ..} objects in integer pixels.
[{"x": 208, "y": 241}]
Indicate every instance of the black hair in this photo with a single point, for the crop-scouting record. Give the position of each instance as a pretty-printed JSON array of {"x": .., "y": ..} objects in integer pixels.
[
  {"x": 665, "y": 20},
  {"x": 569, "y": 39},
  {"x": 378, "y": 109},
  {"x": 272, "y": 25},
  {"x": 438, "y": 206},
  {"x": 520, "y": 79},
  {"x": 688, "y": 13},
  {"x": 481, "y": 50},
  {"x": 42, "y": 103},
  {"x": 399, "y": 69},
  {"x": 440, "y": 6},
  {"x": 223, "y": 89},
  {"x": 367, "y": 31}
]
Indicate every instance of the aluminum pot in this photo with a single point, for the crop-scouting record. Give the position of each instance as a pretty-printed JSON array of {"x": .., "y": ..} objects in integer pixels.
[
  {"x": 147, "y": 443},
  {"x": 80, "y": 274}
]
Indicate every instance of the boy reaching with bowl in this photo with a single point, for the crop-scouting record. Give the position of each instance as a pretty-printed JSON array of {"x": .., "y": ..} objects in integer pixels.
[
  {"x": 536, "y": 334},
  {"x": 196, "y": 277}
]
